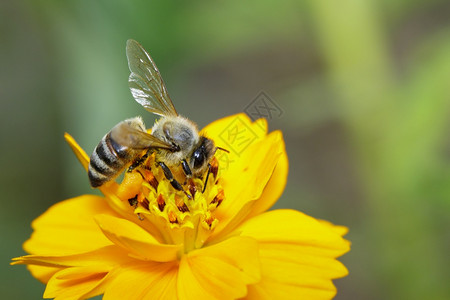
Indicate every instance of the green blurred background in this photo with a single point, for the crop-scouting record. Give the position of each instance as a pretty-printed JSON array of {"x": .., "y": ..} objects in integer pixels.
[{"x": 364, "y": 87}]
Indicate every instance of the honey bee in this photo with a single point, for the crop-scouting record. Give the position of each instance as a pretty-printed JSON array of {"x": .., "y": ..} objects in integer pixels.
[{"x": 175, "y": 140}]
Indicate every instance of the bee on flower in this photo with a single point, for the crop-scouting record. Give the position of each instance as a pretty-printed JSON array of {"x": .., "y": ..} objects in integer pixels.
[{"x": 180, "y": 226}]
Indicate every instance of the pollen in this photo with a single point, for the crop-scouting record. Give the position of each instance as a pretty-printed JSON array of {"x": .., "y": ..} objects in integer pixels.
[{"x": 190, "y": 212}]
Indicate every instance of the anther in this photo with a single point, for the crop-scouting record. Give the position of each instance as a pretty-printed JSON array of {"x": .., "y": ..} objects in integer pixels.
[
  {"x": 192, "y": 187},
  {"x": 152, "y": 180},
  {"x": 209, "y": 220},
  {"x": 145, "y": 203},
  {"x": 180, "y": 204},
  {"x": 214, "y": 167},
  {"x": 172, "y": 217},
  {"x": 218, "y": 198},
  {"x": 148, "y": 176},
  {"x": 161, "y": 202}
]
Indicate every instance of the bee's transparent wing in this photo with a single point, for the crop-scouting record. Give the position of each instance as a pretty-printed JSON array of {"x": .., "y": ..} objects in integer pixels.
[
  {"x": 146, "y": 83},
  {"x": 127, "y": 136}
]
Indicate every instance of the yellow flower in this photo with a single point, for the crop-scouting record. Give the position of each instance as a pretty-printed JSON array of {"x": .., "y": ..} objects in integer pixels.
[{"x": 145, "y": 240}]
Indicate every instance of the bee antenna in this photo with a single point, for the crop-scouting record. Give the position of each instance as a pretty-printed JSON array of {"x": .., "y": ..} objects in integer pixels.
[
  {"x": 223, "y": 149},
  {"x": 207, "y": 176}
]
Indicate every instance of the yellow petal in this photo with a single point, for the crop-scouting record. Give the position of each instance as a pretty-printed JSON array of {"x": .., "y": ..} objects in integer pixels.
[
  {"x": 245, "y": 182},
  {"x": 209, "y": 277},
  {"x": 341, "y": 230},
  {"x": 291, "y": 262},
  {"x": 188, "y": 286},
  {"x": 143, "y": 280},
  {"x": 221, "y": 271},
  {"x": 297, "y": 255},
  {"x": 268, "y": 290},
  {"x": 274, "y": 188},
  {"x": 236, "y": 132},
  {"x": 79, "y": 152},
  {"x": 44, "y": 267},
  {"x": 43, "y": 274},
  {"x": 68, "y": 227},
  {"x": 74, "y": 273},
  {"x": 237, "y": 251},
  {"x": 74, "y": 283},
  {"x": 56, "y": 232},
  {"x": 108, "y": 256},
  {"x": 126, "y": 211},
  {"x": 79, "y": 275},
  {"x": 290, "y": 226},
  {"x": 136, "y": 240}
]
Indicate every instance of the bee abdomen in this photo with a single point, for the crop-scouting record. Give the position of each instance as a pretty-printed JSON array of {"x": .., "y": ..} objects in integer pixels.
[
  {"x": 97, "y": 179},
  {"x": 108, "y": 160},
  {"x": 117, "y": 149}
]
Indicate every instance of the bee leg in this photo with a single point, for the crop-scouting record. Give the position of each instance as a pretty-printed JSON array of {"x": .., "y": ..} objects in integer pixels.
[
  {"x": 138, "y": 162},
  {"x": 207, "y": 176},
  {"x": 187, "y": 171},
  {"x": 134, "y": 202},
  {"x": 176, "y": 185}
]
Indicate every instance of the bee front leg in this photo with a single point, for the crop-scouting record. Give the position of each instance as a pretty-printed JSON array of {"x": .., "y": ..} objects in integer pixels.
[
  {"x": 207, "y": 177},
  {"x": 176, "y": 185},
  {"x": 187, "y": 171}
]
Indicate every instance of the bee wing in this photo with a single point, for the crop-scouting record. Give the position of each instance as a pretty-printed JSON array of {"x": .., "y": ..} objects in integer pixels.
[
  {"x": 146, "y": 83},
  {"x": 128, "y": 136}
]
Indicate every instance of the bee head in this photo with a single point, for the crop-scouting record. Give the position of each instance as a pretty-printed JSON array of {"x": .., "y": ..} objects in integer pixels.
[{"x": 202, "y": 155}]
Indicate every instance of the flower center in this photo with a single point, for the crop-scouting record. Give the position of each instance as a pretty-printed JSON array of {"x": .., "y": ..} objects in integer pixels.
[{"x": 182, "y": 217}]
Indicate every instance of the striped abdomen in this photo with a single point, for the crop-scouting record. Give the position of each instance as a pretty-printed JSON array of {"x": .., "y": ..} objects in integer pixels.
[{"x": 108, "y": 160}]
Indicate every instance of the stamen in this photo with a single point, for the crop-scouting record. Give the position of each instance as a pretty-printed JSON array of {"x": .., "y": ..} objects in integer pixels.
[
  {"x": 150, "y": 178},
  {"x": 188, "y": 209},
  {"x": 219, "y": 197},
  {"x": 214, "y": 166},
  {"x": 192, "y": 187},
  {"x": 180, "y": 204},
  {"x": 209, "y": 220},
  {"x": 161, "y": 202},
  {"x": 172, "y": 217},
  {"x": 145, "y": 203}
]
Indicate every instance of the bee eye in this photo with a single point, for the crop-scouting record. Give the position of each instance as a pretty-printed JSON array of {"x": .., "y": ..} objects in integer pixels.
[{"x": 198, "y": 157}]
